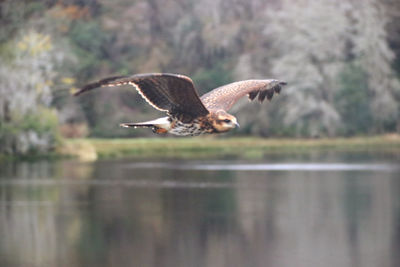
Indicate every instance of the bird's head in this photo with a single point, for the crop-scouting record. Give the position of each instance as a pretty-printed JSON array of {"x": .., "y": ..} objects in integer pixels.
[{"x": 223, "y": 122}]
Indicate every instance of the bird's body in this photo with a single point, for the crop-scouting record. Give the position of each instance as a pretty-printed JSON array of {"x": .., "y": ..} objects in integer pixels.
[
  {"x": 196, "y": 127},
  {"x": 187, "y": 113},
  {"x": 174, "y": 126},
  {"x": 193, "y": 128}
]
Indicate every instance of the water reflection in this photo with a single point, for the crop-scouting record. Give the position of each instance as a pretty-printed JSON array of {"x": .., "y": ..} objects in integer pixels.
[
  {"x": 116, "y": 213},
  {"x": 269, "y": 167}
]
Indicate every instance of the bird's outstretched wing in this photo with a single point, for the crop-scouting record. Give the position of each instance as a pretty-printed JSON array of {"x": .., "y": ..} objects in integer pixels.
[
  {"x": 172, "y": 93},
  {"x": 226, "y": 96}
]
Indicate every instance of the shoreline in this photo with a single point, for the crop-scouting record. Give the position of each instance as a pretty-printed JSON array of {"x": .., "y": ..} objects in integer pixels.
[{"x": 90, "y": 149}]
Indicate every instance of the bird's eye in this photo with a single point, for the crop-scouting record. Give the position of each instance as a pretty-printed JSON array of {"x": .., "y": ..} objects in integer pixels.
[{"x": 227, "y": 121}]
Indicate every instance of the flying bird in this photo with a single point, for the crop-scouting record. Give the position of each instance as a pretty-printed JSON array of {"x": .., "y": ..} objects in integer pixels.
[{"x": 187, "y": 113}]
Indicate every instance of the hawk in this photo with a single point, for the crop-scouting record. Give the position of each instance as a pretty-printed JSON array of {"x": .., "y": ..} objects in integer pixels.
[{"x": 187, "y": 113}]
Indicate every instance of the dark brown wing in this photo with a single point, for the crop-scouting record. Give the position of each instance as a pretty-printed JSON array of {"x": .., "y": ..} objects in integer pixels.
[
  {"x": 226, "y": 96},
  {"x": 173, "y": 93}
]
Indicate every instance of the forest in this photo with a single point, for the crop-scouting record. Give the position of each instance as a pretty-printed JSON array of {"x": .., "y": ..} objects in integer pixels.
[{"x": 340, "y": 58}]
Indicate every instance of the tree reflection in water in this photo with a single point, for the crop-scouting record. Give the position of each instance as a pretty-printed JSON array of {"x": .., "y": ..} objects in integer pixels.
[{"x": 113, "y": 213}]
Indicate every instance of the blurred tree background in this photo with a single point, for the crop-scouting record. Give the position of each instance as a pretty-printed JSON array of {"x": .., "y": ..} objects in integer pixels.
[{"x": 340, "y": 58}]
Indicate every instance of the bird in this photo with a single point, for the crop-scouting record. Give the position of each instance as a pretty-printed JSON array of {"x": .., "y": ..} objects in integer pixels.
[{"x": 188, "y": 114}]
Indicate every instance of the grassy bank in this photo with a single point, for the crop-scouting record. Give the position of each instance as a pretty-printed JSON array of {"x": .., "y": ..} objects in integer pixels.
[{"x": 90, "y": 149}]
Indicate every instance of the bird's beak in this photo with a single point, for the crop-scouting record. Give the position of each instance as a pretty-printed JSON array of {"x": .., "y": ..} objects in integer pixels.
[{"x": 237, "y": 124}]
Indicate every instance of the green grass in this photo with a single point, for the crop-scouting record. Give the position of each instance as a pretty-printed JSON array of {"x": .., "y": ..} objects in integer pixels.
[{"x": 207, "y": 147}]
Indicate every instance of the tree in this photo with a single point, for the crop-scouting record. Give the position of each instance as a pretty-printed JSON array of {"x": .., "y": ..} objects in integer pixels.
[
  {"x": 309, "y": 53},
  {"x": 27, "y": 122},
  {"x": 372, "y": 53},
  {"x": 313, "y": 43}
]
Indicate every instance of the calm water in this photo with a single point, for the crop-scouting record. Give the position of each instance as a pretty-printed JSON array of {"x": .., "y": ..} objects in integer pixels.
[{"x": 305, "y": 210}]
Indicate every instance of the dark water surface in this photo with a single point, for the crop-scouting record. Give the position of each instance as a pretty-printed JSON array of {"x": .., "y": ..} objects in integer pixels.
[{"x": 305, "y": 210}]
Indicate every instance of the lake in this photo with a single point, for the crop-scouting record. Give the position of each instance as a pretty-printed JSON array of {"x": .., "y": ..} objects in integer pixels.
[{"x": 302, "y": 209}]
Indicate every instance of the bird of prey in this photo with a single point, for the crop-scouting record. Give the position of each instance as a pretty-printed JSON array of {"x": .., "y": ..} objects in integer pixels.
[{"x": 187, "y": 113}]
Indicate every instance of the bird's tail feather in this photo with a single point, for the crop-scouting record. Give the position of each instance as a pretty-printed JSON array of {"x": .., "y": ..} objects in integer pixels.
[
  {"x": 136, "y": 125},
  {"x": 156, "y": 128},
  {"x": 158, "y": 123}
]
